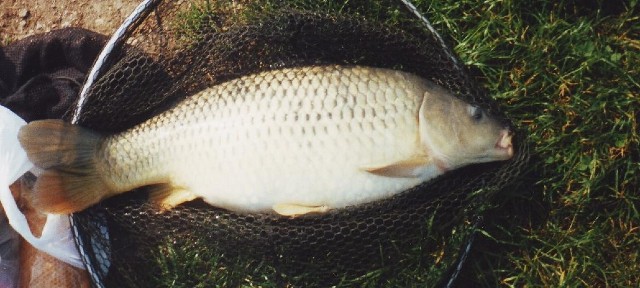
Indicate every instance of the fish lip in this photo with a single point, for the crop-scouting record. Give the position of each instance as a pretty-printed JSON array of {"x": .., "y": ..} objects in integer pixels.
[{"x": 504, "y": 144}]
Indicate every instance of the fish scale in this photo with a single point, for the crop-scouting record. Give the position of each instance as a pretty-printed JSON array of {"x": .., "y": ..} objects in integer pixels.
[{"x": 264, "y": 127}]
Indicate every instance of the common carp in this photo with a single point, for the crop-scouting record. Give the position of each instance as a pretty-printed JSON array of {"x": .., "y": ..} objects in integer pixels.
[{"x": 293, "y": 141}]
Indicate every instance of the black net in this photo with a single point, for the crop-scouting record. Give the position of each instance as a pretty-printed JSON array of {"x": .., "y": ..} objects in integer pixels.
[{"x": 182, "y": 48}]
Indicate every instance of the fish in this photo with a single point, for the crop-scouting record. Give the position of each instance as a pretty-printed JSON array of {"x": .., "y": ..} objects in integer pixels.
[{"x": 291, "y": 141}]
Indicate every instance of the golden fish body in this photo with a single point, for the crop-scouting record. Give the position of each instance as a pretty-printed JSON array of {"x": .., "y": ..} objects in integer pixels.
[
  {"x": 318, "y": 137},
  {"x": 299, "y": 136}
]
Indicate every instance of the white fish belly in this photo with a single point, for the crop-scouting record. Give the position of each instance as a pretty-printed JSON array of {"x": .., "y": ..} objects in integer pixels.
[{"x": 293, "y": 136}]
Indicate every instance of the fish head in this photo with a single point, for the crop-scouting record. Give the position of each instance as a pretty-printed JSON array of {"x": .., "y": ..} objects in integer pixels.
[{"x": 457, "y": 133}]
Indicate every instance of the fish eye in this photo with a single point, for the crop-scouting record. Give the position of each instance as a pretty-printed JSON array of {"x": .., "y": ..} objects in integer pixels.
[{"x": 476, "y": 113}]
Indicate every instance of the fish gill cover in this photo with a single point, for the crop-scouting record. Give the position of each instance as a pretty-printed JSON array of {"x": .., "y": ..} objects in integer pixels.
[{"x": 183, "y": 47}]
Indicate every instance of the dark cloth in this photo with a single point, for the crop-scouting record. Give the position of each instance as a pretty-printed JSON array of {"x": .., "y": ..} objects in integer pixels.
[{"x": 41, "y": 75}]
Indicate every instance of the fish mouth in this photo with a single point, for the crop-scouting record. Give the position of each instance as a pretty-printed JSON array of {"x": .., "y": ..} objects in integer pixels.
[{"x": 504, "y": 144}]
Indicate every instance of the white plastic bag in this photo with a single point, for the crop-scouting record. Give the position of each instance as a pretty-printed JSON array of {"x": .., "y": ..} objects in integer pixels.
[{"x": 56, "y": 239}]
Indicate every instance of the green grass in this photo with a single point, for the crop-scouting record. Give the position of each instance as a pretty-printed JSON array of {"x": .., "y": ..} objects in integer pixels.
[
  {"x": 5, "y": 40},
  {"x": 568, "y": 74},
  {"x": 181, "y": 266}
]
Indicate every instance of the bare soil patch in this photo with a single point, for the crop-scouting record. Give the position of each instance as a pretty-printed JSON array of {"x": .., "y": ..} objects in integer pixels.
[{"x": 21, "y": 18}]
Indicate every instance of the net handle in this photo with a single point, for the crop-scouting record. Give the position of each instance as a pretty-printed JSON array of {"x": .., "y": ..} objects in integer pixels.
[
  {"x": 445, "y": 48},
  {"x": 115, "y": 42},
  {"x": 101, "y": 64}
]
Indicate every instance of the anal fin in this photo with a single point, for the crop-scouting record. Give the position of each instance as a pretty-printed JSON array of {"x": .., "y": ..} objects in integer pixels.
[
  {"x": 167, "y": 196},
  {"x": 296, "y": 210}
]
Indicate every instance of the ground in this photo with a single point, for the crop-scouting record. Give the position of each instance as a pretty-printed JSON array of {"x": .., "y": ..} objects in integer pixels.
[
  {"x": 21, "y": 18},
  {"x": 565, "y": 71}
]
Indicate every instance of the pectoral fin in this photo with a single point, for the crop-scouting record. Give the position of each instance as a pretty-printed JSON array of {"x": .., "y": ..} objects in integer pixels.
[
  {"x": 295, "y": 210},
  {"x": 167, "y": 196},
  {"x": 408, "y": 168}
]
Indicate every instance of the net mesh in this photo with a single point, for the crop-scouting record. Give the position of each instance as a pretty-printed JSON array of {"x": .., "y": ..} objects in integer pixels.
[{"x": 182, "y": 48}]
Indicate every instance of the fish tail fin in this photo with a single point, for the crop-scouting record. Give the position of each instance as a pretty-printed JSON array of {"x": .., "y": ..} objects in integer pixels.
[{"x": 66, "y": 152}]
